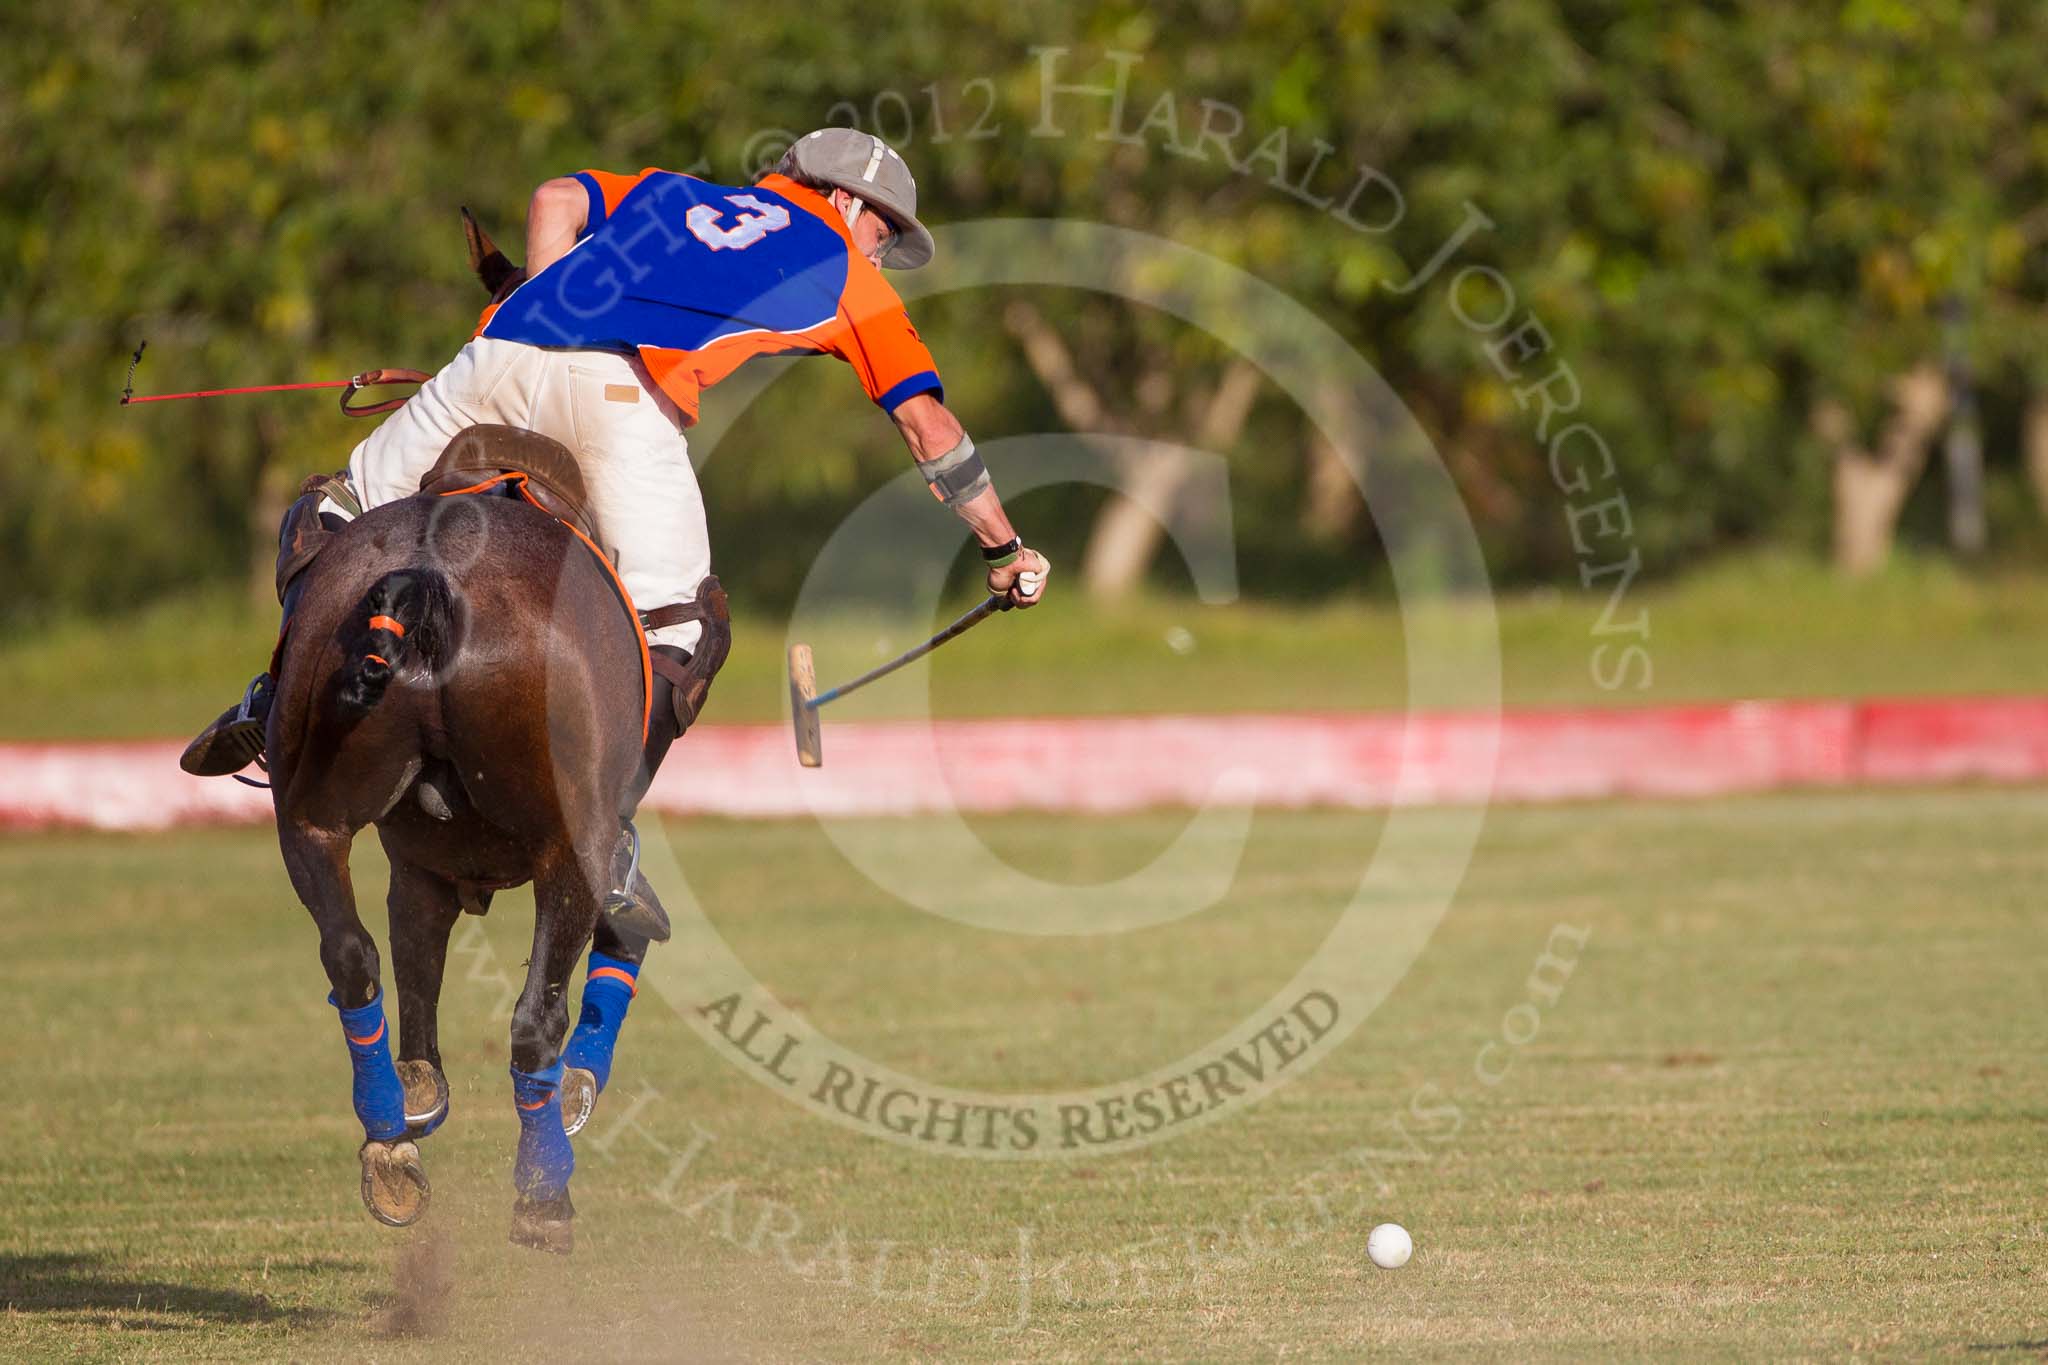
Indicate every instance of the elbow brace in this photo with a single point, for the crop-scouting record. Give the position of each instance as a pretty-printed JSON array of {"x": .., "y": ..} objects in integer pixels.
[{"x": 958, "y": 475}]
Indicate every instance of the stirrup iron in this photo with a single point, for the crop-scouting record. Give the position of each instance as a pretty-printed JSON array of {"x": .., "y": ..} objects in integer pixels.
[{"x": 630, "y": 912}]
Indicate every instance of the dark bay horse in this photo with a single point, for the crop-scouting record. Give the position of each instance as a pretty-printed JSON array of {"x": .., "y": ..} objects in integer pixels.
[{"x": 462, "y": 673}]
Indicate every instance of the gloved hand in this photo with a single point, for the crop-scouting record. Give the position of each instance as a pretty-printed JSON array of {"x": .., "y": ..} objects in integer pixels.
[{"x": 1022, "y": 580}]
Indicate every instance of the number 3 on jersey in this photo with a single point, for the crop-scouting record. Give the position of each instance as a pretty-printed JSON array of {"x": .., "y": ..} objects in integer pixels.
[{"x": 747, "y": 228}]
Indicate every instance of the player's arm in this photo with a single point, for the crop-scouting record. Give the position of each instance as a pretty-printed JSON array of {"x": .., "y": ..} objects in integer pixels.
[
  {"x": 946, "y": 457},
  {"x": 554, "y": 220}
]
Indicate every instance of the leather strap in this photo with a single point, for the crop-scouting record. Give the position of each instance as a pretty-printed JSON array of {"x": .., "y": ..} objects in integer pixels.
[
  {"x": 709, "y": 607},
  {"x": 679, "y": 675},
  {"x": 335, "y": 487},
  {"x": 371, "y": 378}
]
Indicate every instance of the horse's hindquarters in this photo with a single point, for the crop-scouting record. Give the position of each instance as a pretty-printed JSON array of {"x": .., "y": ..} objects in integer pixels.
[{"x": 531, "y": 688}]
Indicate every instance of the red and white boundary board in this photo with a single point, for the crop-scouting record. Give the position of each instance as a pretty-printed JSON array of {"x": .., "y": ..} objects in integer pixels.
[{"x": 1104, "y": 764}]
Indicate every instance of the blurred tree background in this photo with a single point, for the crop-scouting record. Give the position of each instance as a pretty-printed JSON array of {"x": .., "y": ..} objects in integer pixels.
[{"x": 1791, "y": 253}]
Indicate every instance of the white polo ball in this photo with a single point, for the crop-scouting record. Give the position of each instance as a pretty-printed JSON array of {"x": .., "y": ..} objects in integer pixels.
[{"x": 1389, "y": 1246}]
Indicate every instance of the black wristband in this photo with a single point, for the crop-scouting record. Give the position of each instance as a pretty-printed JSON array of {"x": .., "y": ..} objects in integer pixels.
[{"x": 1005, "y": 552}]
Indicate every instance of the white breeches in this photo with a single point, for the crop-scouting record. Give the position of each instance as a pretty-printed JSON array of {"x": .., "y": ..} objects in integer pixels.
[{"x": 601, "y": 405}]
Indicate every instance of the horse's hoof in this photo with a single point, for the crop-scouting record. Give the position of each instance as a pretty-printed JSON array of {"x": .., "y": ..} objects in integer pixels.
[
  {"x": 426, "y": 1097},
  {"x": 579, "y": 1097},
  {"x": 394, "y": 1182},
  {"x": 544, "y": 1224}
]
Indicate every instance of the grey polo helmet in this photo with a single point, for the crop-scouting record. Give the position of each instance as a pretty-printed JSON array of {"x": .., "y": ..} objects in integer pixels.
[{"x": 871, "y": 170}]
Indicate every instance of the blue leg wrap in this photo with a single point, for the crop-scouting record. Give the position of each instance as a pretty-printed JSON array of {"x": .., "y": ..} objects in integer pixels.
[
  {"x": 545, "y": 1157},
  {"x": 608, "y": 991},
  {"x": 379, "y": 1099}
]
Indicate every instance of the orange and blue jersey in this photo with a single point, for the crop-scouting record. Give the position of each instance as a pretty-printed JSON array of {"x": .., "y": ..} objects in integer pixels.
[{"x": 697, "y": 278}]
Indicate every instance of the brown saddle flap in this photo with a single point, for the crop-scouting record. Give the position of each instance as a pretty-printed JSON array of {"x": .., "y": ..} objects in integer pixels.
[{"x": 481, "y": 453}]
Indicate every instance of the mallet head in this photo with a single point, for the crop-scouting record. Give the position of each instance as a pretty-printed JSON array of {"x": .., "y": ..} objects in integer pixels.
[{"x": 803, "y": 689}]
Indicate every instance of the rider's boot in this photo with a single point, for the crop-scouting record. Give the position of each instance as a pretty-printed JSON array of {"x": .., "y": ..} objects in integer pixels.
[
  {"x": 236, "y": 738},
  {"x": 682, "y": 683},
  {"x": 631, "y": 904}
]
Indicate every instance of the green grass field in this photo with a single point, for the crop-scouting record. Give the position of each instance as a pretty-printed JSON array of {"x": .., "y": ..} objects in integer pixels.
[
  {"x": 1789, "y": 1102},
  {"x": 1749, "y": 628}
]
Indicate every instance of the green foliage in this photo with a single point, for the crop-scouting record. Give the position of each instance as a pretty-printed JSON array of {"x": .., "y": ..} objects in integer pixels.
[{"x": 1718, "y": 211}]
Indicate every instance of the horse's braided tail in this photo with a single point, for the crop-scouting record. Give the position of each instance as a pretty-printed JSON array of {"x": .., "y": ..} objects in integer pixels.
[{"x": 408, "y": 613}]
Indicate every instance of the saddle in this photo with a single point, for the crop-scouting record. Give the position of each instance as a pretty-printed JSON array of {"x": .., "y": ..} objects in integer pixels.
[{"x": 489, "y": 454}]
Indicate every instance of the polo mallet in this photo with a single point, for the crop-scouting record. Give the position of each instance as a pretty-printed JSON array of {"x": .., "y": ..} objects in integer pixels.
[{"x": 805, "y": 699}]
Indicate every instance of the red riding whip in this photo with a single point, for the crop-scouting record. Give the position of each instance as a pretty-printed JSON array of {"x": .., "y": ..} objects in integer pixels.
[{"x": 353, "y": 385}]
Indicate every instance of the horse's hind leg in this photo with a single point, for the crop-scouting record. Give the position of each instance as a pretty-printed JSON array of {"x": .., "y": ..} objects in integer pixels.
[
  {"x": 609, "y": 985},
  {"x": 394, "y": 1182},
  {"x": 424, "y": 909},
  {"x": 566, "y": 897}
]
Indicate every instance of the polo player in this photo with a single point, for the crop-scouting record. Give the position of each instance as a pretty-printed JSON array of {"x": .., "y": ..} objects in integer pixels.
[{"x": 640, "y": 292}]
